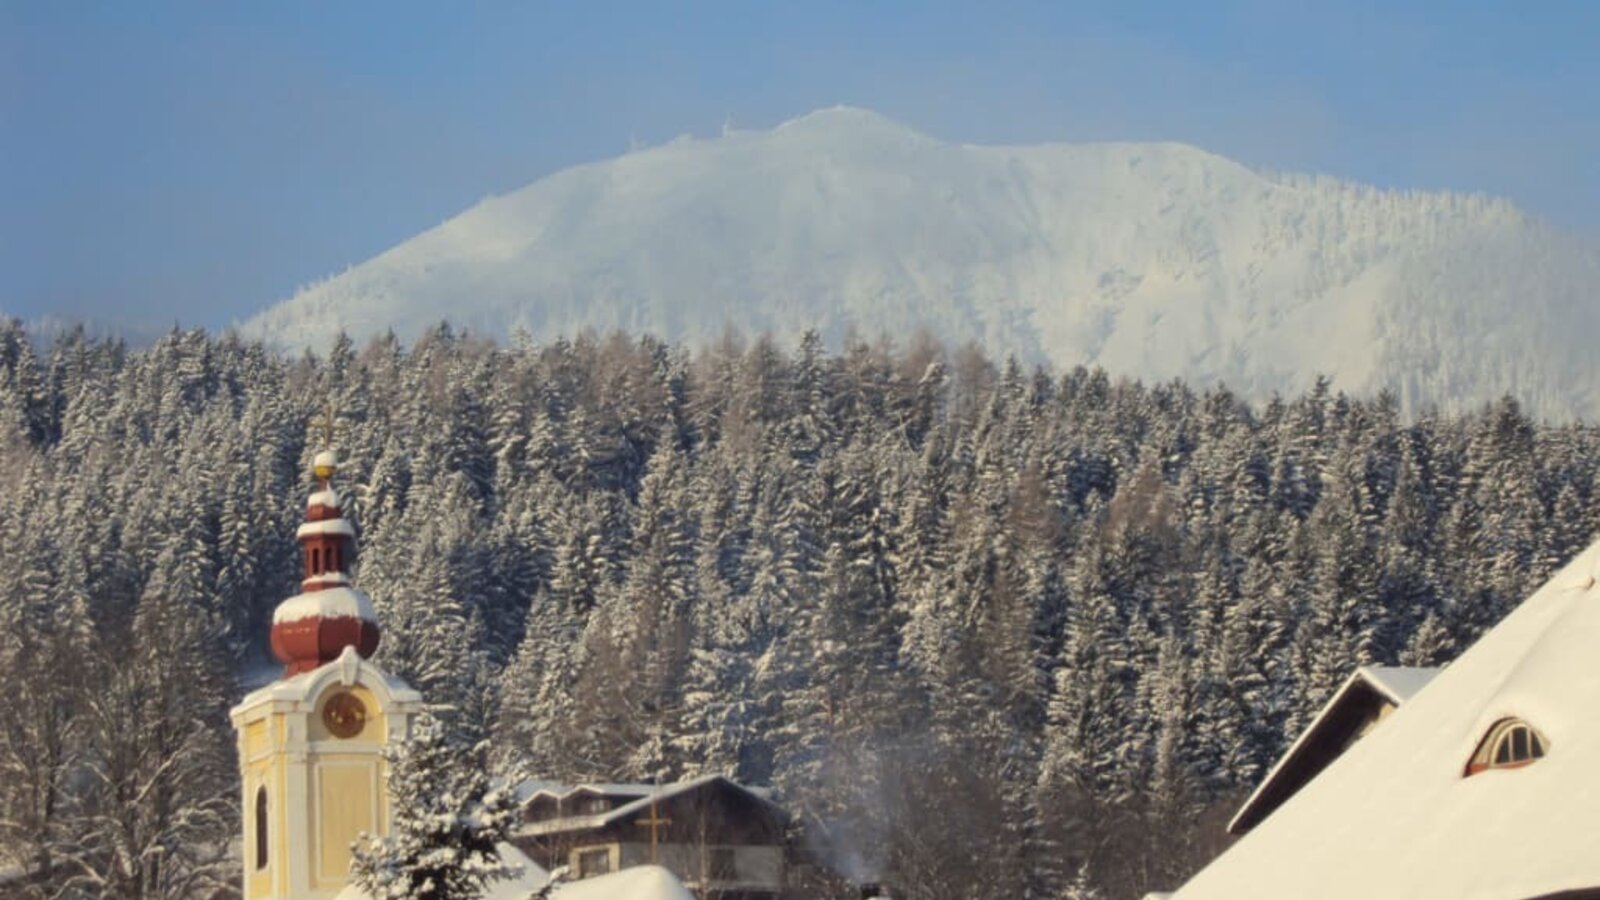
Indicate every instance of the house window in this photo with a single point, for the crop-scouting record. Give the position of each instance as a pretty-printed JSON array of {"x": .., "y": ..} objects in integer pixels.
[
  {"x": 594, "y": 862},
  {"x": 1510, "y": 744},
  {"x": 593, "y": 806},
  {"x": 261, "y": 828}
]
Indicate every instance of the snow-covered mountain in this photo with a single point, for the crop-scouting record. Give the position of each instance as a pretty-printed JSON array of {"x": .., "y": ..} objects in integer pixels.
[{"x": 1152, "y": 260}]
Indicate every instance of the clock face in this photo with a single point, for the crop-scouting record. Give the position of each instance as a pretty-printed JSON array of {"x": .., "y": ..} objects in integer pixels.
[{"x": 344, "y": 715}]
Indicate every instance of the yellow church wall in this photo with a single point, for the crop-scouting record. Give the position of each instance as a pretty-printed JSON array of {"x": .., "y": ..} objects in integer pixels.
[
  {"x": 269, "y": 773},
  {"x": 346, "y": 806},
  {"x": 257, "y": 738},
  {"x": 323, "y": 791}
]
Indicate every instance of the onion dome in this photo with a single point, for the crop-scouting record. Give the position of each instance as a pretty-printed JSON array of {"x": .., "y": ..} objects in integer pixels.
[{"x": 313, "y": 627}]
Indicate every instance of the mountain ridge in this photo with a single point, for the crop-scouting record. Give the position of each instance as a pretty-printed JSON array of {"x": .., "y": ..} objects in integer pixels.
[{"x": 1153, "y": 260}]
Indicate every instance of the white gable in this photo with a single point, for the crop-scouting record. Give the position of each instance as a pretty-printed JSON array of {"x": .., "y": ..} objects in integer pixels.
[
  {"x": 1395, "y": 817},
  {"x": 349, "y": 669}
]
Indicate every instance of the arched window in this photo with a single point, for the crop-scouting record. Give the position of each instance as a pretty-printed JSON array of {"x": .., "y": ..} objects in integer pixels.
[
  {"x": 316, "y": 560},
  {"x": 1511, "y": 743},
  {"x": 261, "y": 828}
]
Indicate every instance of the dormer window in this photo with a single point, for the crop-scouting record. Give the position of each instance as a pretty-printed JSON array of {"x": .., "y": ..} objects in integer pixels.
[{"x": 1510, "y": 744}]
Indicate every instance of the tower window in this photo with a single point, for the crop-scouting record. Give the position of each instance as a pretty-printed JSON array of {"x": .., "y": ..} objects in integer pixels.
[
  {"x": 1510, "y": 744},
  {"x": 261, "y": 828},
  {"x": 316, "y": 560}
]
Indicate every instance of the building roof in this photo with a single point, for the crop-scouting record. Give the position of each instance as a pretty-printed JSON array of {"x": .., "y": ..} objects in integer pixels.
[
  {"x": 1311, "y": 753},
  {"x": 1396, "y": 816},
  {"x": 642, "y": 795}
]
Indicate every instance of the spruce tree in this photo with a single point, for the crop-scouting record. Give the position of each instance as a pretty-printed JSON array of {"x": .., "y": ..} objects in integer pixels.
[{"x": 448, "y": 822}]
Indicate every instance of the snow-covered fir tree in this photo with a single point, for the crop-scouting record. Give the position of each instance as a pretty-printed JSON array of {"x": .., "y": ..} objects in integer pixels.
[
  {"x": 448, "y": 820},
  {"x": 960, "y": 612}
]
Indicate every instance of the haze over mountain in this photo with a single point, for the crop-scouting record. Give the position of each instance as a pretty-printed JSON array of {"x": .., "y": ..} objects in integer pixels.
[{"x": 1151, "y": 260}]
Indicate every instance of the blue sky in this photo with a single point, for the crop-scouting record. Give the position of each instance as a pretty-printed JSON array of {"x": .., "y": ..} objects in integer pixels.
[{"x": 193, "y": 162}]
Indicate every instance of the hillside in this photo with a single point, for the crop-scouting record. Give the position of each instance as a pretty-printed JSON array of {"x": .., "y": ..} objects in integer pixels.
[
  {"x": 1151, "y": 260},
  {"x": 939, "y": 613}
]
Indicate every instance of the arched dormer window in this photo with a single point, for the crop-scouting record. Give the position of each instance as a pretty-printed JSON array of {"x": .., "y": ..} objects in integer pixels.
[
  {"x": 261, "y": 827},
  {"x": 1510, "y": 744}
]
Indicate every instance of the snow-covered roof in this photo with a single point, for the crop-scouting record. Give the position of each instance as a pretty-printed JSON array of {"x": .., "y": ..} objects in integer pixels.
[
  {"x": 645, "y": 794},
  {"x": 1394, "y": 683},
  {"x": 326, "y": 579},
  {"x": 532, "y": 879},
  {"x": 1395, "y": 815},
  {"x": 530, "y": 789},
  {"x": 534, "y": 787},
  {"x": 328, "y": 498},
  {"x": 637, "y": 883},
  {"x": 326, "y": 526},
  {"x": 328, "y": 603}
]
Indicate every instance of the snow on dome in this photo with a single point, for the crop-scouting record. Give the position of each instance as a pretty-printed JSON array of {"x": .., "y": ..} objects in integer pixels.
[
  {"x": 1396, "y": 816},
  {"x": 328, "y": 603},
  {"x": 325, "y": 580},
  {"x": 327, "y": 459},
  {"x": 328, "y": 498},
  {"x": 340, "y": 527}
]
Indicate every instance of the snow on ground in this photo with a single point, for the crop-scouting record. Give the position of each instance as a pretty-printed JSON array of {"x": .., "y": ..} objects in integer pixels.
[{"x": 638, "y": 883}]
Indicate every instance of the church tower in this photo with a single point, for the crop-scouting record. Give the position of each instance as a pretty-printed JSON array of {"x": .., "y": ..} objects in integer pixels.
[{"x": 311, "y": 743}]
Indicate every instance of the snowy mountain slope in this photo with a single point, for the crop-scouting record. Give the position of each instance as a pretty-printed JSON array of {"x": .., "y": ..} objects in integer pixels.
[{"x": 1152, "y": 260}]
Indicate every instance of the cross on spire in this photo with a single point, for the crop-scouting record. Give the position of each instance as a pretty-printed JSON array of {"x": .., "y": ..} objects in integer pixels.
[{"x": 327, "y": 424}]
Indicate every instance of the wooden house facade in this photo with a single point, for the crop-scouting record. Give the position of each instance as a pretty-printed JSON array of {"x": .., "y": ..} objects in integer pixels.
[{"x": 721, "y": 839}]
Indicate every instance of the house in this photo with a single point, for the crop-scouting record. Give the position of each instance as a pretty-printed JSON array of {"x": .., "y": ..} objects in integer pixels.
[
  {"x": 1483, "y": 784},
  {"x": 720, "y": 838},
  {"x": 1366, "y": 698}
]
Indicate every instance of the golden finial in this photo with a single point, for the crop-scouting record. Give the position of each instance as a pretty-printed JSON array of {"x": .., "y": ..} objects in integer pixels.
[{"x": 326, "y": 462}]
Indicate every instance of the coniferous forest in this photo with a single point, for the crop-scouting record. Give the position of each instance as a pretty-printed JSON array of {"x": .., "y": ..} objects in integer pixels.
[{"x": 991, "y": 631}]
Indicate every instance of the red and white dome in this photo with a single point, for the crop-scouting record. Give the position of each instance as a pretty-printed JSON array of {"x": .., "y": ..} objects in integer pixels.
[{"x": 314, "y": 627}]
